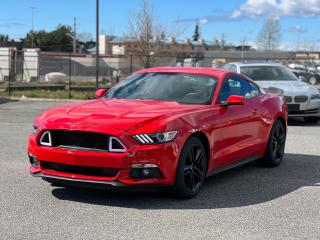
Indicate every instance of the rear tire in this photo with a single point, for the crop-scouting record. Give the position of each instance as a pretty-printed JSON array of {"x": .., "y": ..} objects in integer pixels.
[
  {"x": 275, "y": 147},
  {"x": 191, "y": 170},
  {"x": 313, "y": 80},
  {"x": 311, "y": 119}
]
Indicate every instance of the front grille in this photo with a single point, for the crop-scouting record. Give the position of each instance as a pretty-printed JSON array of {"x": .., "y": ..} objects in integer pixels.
[
  {"x": 301, "y": 99},
  {"x": 79, "y": 140},
  {"x": 293, "y": 108},
  {"x": 81, "y": 170},
  {"x": 288, "y": 99}
]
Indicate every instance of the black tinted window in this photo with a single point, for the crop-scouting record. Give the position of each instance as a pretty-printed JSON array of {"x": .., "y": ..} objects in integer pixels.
[
  {"x": 182, "y": 88},
  {"x": 268, "y": 73},
  {"x": 234, "y": 86}
]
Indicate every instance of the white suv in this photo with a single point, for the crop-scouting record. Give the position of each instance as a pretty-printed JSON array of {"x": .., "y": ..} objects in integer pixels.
[{"x": 303, "y": 100}]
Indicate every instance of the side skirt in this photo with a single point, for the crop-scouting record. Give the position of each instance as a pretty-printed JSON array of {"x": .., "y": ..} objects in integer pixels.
[{"x": 233, "y": 165}]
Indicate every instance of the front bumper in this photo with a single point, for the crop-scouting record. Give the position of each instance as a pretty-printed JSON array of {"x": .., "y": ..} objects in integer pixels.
[
  {"x": 309, "y": 108},
  {"x": 164, "y": 156},
  {"x": 84, "y": 183},
  {"x": 306, "y": 113}
]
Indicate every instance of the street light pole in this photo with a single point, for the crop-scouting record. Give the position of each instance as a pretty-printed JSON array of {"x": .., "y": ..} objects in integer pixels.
[
  {"x": 32, "y": 28},
  {"x": 97, "y": 44}
]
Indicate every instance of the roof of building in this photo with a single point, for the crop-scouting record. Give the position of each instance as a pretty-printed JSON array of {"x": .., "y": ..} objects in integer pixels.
[
  {"x": 249, "y": 54},
  {"x": 255, "y": 63},
  {"x": 191, "y": 70}
]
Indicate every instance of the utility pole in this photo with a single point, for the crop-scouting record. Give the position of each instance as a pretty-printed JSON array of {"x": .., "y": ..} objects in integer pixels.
[
  {"x": 223, "y": 40},
  {"x": 243, "y": 42},
  {"x": 97, "y": 44},
  {"x": 74, "y": 35},
  {"x": 32, "y": 28}
]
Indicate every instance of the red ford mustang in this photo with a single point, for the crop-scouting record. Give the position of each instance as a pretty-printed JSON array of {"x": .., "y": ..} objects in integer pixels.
[{"x": 162, "y": 127}]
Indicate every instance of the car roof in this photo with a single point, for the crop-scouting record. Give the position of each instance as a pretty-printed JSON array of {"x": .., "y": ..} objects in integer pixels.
[
  {"x": 253, "y": 64},
  {"x": 218, "y": 73}
]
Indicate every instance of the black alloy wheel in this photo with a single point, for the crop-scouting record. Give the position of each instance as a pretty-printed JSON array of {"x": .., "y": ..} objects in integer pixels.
[
  {"x": 276, "y": 144},
  {"x": 191, "y": 170}
]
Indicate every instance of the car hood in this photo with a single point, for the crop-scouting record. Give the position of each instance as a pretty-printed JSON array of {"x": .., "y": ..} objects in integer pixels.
[
  {"x": 118, "y": 114},
  {"x": 289, "y": 87}
]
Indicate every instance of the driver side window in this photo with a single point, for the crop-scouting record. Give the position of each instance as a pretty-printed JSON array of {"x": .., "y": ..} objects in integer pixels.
[{"x": 234, "y": 86}]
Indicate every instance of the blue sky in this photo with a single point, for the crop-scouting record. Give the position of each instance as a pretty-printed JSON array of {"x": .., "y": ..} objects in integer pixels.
[{"x": 237, "y": 19}]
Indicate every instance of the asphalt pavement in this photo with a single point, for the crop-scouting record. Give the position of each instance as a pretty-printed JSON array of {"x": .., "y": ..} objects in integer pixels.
[{"x": 249, "y": 202}]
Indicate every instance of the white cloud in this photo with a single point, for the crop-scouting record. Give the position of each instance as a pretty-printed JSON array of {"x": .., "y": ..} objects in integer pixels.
[
  {"x": 297, "y": 29},
  {"x": 203, "y": 21},
  {"x": 281, "y": 8}
]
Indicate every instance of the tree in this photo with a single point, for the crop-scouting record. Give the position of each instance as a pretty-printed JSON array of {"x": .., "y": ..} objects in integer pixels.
[
  {"x": 269, "y": 35},
  {"x": 142, "y": 29},
  {"x": 4, "y": 38},
  {"x": 148, "y": 35},
  {"x": 56, "y": 40},
  {"x": 196, "y": 36},
  {"x": 85, "y": 37}
]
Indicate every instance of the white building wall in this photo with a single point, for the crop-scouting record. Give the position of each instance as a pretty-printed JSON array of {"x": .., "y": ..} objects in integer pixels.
[
  {"x": 30, "y": 64},
  {"x": 6, "y": 55}
]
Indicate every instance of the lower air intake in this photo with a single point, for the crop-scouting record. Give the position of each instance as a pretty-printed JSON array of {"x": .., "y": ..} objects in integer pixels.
[{"x": 81, "y": 170}]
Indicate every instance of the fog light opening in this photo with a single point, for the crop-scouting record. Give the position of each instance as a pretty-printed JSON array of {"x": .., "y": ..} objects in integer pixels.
[
  {"x": 33, "y": 161},
  {"x": 145, "y": 171}
]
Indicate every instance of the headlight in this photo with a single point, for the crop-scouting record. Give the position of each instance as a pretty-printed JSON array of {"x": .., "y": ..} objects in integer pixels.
[
  {"x": 274, "y": 90},
  {"x": 315, "y": 96},
  {"x": 155, "y": 138},
  {"x": 35, "y": 129}
]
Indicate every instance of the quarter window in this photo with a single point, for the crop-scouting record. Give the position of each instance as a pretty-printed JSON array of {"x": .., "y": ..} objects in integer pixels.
[{"x": 254, "y": 90}]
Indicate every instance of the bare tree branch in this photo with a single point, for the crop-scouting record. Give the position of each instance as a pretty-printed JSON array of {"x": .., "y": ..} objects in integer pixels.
[{"x": 270, "y": 35}]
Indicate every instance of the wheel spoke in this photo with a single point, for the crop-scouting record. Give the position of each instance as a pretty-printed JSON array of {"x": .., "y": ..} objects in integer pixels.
[
  {"x": 191, "y": 155},
  {"x": 198, "y": 173},
  {"x": 187, "y": 170},
  {"x": 281, "y": 139},
  {"x": 277, "y": 132},
  {"x": 199, "y": 157}
]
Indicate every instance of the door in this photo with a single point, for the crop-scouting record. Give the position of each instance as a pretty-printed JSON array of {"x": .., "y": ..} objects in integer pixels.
[{"x": 238, "y": 124}]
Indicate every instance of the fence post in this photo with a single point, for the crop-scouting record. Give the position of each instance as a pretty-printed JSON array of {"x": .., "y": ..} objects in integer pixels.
[
  {"x": 131, "y": 63},
  {"x": 69, "y": 77},
  {"x": 9, "y": 71}
]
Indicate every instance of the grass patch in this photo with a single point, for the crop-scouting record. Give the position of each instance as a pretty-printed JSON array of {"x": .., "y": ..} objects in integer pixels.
[{"x": 50, "y": 94}]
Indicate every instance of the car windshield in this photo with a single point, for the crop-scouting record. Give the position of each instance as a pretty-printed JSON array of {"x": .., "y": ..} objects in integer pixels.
[
  {"x": 268, "y": 73},
  {"x": 177, "y": 87}
]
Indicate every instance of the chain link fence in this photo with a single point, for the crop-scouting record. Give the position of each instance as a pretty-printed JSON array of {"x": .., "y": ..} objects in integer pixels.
[{"x": 64, "y": 75}]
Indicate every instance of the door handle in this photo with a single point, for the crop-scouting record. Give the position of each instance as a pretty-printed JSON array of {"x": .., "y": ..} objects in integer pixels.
[{"x": 255, "y": 111}]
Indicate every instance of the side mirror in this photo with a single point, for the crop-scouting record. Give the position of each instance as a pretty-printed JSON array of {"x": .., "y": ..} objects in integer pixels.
[
  {"x": 234, "y": 100},
  {"x": 101, "y": 92}
]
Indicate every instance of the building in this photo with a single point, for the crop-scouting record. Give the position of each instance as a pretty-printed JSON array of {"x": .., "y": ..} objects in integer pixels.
[{"x": 125, "y": 46}]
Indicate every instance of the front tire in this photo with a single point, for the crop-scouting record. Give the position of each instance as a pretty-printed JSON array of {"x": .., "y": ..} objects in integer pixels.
[
  {"x": 275, "y": 147},
  {"x": 191, "y": 170}
]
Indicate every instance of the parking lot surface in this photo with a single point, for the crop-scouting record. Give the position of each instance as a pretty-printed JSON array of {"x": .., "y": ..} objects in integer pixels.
[{"x": 249, "y": 202}]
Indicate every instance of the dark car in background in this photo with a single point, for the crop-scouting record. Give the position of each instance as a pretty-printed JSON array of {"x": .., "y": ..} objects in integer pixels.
[{"x": 304, "y": 74}]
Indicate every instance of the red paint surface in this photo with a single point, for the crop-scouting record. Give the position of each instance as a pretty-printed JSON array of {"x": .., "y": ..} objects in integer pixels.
[{"x": 234, "y": 133}]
